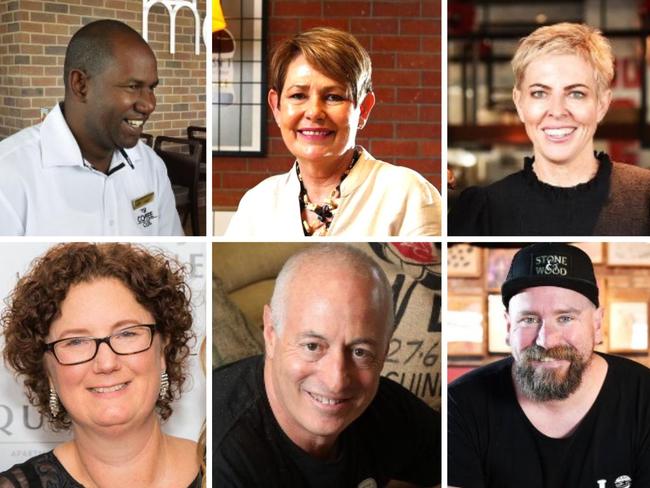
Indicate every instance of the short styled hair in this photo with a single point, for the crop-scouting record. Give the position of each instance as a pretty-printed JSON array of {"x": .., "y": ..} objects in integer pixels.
[
  {"x": 335, "y": 53},
  {"x": 332, "y": 255},
  {"x": 91, "y": 48},
  {"x": 157, "y": 281},
  {"x": 567, "y": 38}
]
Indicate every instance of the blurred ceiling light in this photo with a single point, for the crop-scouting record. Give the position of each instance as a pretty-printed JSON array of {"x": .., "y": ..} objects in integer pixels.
[{"x": 461, "y": 157}]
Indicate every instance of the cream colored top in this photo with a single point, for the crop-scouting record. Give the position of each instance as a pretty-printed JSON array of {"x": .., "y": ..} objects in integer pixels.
[{"x": 378, "y": 199}]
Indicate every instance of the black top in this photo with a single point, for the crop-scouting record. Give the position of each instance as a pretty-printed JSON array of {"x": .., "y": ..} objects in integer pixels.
[
  {"x": 45, "y": 470},
  {"x": 492, "y": 444},
  {"x": 616, "y": 201},
  {"x": 397, "y": 437}
]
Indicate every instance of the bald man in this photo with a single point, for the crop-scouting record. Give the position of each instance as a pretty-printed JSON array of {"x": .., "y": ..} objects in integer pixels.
[
  {"x": 83, "y": 170},
  {"x": 314, "y": 412}
]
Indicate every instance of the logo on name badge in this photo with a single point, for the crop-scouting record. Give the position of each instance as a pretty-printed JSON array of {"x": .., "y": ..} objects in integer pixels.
[
  {"x": 145, "y": 219},
  {"x": 551, "y": 265},
  {"x": 367, "y": 483},
  {"x": 142, "y": 201}
]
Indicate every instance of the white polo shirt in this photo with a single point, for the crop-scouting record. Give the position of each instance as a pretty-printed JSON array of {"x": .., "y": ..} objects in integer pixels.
[{"x": 47, "y": 188}]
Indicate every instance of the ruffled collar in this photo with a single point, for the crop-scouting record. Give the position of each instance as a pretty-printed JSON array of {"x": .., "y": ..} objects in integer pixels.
[{"x": 600, "y": 181}]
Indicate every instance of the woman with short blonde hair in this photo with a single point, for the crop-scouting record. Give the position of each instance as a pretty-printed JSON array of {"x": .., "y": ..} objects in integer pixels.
[{"x": 563, "y": 74}]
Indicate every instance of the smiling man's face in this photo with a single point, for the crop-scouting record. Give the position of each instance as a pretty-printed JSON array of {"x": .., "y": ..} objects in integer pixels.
[
  {"x": 120, "y": 98},
  {"x": 324, "y": 360},
  {"x": 552, "y": 332}
]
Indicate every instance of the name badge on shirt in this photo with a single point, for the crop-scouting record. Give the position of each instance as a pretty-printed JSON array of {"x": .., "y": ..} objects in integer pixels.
[{"x": 142, "y": 201}]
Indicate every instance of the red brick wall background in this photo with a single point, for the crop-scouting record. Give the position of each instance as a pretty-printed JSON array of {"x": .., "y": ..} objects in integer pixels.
[
  {"x": 35, "y": 33},
  {"x": 403, "y": 39}
]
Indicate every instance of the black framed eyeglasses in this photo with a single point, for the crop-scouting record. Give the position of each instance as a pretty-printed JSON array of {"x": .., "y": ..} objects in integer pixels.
[{"x": 77, "y": 350}]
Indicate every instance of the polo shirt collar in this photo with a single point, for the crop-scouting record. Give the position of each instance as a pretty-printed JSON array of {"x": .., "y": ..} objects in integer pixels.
[{"x": 60, "y": 148}]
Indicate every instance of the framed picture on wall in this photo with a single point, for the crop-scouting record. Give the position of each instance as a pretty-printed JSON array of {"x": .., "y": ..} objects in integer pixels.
[
  {"x": 498, "y": 264},
  {"x": 464, "y": 327},
  {"x": 628, "y": 254},
  {"x": 239, "y": 80},
  {"x": 464, "y": 261},
  {"x": 628, "y": 326},
  {"x": 497, "y": 329},
  {"x": 593, "y": 249}
]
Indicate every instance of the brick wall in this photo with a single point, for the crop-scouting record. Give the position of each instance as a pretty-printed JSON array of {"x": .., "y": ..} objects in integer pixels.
[
  {"x": 35, "y": 33},
  {"x": 403, "y": 39}
]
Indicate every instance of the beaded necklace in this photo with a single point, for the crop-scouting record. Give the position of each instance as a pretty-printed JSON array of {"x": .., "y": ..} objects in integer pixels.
[{"x": 325, "y": 211}]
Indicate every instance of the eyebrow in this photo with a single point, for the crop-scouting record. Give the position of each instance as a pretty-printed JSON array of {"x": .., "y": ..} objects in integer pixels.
[
  {"x": 142, "y": 82},
  {"x": 555, "y": 312},
  {"x": 82, "y": 332},
  {"x": 570, "y": 87},
  {"x": 311, "y": 335},
  {"x": 362, "y": 340},
  {"x": 325, "y": 88}
]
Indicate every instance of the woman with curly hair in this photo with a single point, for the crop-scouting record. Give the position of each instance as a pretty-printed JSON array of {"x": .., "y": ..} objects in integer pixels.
[{"x": 99, "y": 333}]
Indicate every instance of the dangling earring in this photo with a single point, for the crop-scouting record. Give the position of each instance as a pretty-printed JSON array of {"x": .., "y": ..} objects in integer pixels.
[
  {"x": 164, "y": 385},
  {"x": 54, "y": 403}
]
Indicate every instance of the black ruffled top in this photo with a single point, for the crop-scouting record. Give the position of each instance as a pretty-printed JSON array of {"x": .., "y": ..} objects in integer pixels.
[{"x": 522, "y": 205}]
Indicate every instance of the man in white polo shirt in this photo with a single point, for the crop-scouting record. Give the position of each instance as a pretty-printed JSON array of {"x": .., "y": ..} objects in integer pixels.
[{"x": 84, "y": 170}]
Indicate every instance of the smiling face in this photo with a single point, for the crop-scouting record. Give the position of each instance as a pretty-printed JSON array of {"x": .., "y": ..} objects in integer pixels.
[
  {"x": 120, "y": 98},
  {"x": 110, "y": 391},
  {"x": 322, "y": 368},
  {"x": 552, "y": 332},
  {"x": 559, "y": 103},
  {"x": 316, "y": 114}
]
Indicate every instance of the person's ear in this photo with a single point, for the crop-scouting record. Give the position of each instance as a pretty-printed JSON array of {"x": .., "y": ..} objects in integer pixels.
[
  {"x": 604, "y": 99},
  {"x": 163, "y": 362},
  {"x": 516, "y": 97},
  {"x": 274, "y": 104},
  {"x": 78, "y": 82},
  {"x": 270, "y": 334},
  {"x": 364, "y": 108},
  {"x": 598, "y": 325},
  {"x": 508, "y": 325}
]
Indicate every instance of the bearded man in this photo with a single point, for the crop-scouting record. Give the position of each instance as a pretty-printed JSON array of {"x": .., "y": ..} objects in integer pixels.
[{"x": 556, "y": 413}]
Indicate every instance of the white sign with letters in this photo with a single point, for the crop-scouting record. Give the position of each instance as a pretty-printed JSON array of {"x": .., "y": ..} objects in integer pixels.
[{"x": 173, "y": 6}]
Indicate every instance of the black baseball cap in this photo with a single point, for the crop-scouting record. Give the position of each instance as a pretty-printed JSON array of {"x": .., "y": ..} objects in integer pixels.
[{"x": 551, "y": 264}]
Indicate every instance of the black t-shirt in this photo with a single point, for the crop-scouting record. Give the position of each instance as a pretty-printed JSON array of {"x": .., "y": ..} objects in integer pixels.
[
  {"x": 492, "y": 444},
  {"x": 397, "y": 437}
]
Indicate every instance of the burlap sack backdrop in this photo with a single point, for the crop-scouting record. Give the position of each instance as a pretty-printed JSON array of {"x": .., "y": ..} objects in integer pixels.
[{"x": 244, "y": 274}]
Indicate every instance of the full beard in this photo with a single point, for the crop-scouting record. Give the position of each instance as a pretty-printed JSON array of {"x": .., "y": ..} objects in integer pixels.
[{"x": 545, "y": 384}]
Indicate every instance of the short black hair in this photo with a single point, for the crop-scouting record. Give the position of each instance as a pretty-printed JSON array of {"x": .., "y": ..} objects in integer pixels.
[{"x": 90, "y": 48}]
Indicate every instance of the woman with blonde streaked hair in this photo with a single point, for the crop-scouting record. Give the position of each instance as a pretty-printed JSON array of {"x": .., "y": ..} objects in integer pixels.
[{"x": 563, "y": 75}]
